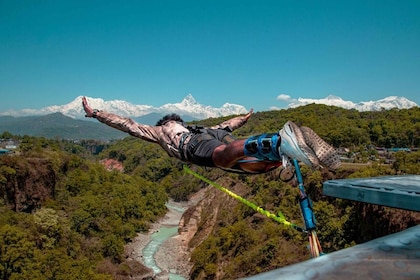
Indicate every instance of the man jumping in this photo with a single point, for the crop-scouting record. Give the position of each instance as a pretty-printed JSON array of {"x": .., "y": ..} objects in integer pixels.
[{"x": 216, "y": 146}]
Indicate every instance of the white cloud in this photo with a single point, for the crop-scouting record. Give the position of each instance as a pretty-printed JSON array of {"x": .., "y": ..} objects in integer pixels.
[{"x": 284, "y": 97}]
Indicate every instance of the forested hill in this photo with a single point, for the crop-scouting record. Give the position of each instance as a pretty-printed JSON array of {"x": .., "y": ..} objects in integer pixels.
[{"x": 341, "y": 127}]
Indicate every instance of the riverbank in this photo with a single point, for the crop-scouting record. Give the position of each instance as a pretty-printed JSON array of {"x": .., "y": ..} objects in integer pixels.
[{"x": 173, "y": 256}]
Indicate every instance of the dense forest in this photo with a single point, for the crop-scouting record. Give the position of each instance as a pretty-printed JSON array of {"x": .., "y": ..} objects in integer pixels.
[{"x": 63, "y": 215}]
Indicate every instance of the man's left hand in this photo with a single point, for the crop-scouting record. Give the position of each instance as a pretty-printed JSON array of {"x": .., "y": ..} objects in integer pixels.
[{"x": 87, "y": 108}]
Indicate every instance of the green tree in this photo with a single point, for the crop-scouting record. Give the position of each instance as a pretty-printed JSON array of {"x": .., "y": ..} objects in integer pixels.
[
  {"x": 48, "y": 225},
  {"x": 16, "y": 252},
  {"x": 408, "y": 163}
]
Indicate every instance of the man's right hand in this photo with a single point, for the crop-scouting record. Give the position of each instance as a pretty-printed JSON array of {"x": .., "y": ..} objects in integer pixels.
[{"x": 247, "y": 116}]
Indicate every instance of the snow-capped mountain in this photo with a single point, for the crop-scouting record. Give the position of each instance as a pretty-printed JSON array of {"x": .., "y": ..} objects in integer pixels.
[
  {"x": 194, "y": 110},
  {"x": 331, "y": 100},
  {"x": 386, "y": 103},
  {"x": 187, "y": 107}
]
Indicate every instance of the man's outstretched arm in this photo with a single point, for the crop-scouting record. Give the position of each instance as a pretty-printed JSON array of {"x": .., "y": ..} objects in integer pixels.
[
  {"x": 127, "y": 125},
  {"x": 234, "y": 123}
]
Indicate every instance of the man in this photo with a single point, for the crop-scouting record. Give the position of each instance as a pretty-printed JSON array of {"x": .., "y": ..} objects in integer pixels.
[{"x": 216, "y": 147}]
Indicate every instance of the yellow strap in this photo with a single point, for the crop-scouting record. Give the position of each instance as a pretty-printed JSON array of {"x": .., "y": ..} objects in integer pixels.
[{"x": 279, "y": 218}]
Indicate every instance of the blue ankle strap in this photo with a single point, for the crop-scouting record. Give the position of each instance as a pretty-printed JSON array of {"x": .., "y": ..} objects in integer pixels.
[{"x": 263, "y": 146}]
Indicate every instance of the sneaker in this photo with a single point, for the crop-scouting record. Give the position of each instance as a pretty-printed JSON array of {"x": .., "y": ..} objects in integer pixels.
[
  {"x": 294, "y": 146},
  {"x": 326, "y": 154}
]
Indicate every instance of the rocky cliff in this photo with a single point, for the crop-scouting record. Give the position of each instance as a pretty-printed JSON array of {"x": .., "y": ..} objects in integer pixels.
[{"x": 26, "y": 183}]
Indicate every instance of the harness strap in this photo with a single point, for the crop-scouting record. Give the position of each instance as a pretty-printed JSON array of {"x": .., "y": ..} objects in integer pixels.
[
  {"x": 189, "y": 144},
  {"x": 196, "y": 129},
  {"x": 189, "y": 141},
  {"x": 183, "y": 143}
]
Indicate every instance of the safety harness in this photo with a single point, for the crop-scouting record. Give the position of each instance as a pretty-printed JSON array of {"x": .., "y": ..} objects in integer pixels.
[{"x": 189, "y": 140}]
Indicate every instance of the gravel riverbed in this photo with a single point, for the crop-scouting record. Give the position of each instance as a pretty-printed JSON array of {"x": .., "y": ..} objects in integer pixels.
[{"x": 173, "y": 256}]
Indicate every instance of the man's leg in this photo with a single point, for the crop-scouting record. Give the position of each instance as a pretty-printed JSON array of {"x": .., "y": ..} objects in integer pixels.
[
  {"x": 305, "y": 146},
  {"x": 230, "y": 155}
]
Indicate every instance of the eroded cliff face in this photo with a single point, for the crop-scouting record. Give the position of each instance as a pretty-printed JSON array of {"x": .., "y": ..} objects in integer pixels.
[
  {"x": 198, "y": 221},
  {"x": 26, "y": 182},
  {"x": 196, "y": 224},
  {"x": 112, "y": 164}
]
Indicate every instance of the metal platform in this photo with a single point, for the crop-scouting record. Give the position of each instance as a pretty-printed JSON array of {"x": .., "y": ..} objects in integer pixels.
[
  {"x": 395, "y": 256},
  {"x": 395, "y": 191}
]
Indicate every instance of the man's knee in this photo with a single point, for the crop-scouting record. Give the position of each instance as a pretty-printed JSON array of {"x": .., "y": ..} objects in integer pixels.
[{"x": 219, "y": 156}]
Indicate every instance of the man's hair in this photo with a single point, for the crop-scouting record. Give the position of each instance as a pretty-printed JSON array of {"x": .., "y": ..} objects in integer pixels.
[{"x": 169, "y": 117}]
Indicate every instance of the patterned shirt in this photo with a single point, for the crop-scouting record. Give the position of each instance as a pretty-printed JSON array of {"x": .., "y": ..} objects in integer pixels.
[{"x": 168, "y": 135}]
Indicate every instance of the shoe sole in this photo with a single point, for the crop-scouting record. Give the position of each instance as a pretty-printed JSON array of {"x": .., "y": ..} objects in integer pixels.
[
  {"x": 326, "y": 154},
  {"x": 294, "y": 146}
]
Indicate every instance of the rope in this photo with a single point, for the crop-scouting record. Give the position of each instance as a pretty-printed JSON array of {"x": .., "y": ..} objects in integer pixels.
[
  {"x": 305, "y": 204},
  {"x": 308, "y": 214},
  {"x": 278, "y": 218}
]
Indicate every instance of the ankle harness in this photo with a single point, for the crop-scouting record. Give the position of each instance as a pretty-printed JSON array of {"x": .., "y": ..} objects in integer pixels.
[{"x": 264, "y": 146}]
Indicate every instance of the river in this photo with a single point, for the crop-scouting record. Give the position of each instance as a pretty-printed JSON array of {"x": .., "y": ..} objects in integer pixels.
[
  {"x": 162, "y": 234},
  {"x": 162, "y": 248}
]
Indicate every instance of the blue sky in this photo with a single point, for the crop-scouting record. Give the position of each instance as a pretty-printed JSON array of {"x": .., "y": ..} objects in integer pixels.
[{"x": 237, "y": 51}]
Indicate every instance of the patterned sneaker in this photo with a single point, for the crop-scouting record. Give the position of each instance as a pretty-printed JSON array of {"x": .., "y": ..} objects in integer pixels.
[
  {"x": 326, "y": 154},
  {"x": 294, "y": 146}
]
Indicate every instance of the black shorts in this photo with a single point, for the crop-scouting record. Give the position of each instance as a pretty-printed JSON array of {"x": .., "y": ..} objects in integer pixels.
[{"x": 201, "y": 146}]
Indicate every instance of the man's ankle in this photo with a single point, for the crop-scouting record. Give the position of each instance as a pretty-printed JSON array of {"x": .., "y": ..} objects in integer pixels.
[{"x": 264, "y": 146}]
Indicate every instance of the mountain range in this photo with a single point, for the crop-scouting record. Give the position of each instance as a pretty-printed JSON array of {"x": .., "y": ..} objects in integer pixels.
[
  {"x": 57, "y": 125},
  {"x": 331, "y": 100},
  {"x": 68, "y": 121},
  {"x": 190, "y": 109}
]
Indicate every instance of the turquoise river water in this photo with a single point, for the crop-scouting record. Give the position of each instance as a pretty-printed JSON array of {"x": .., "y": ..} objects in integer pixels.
[{"x": 157, "y": 239}]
